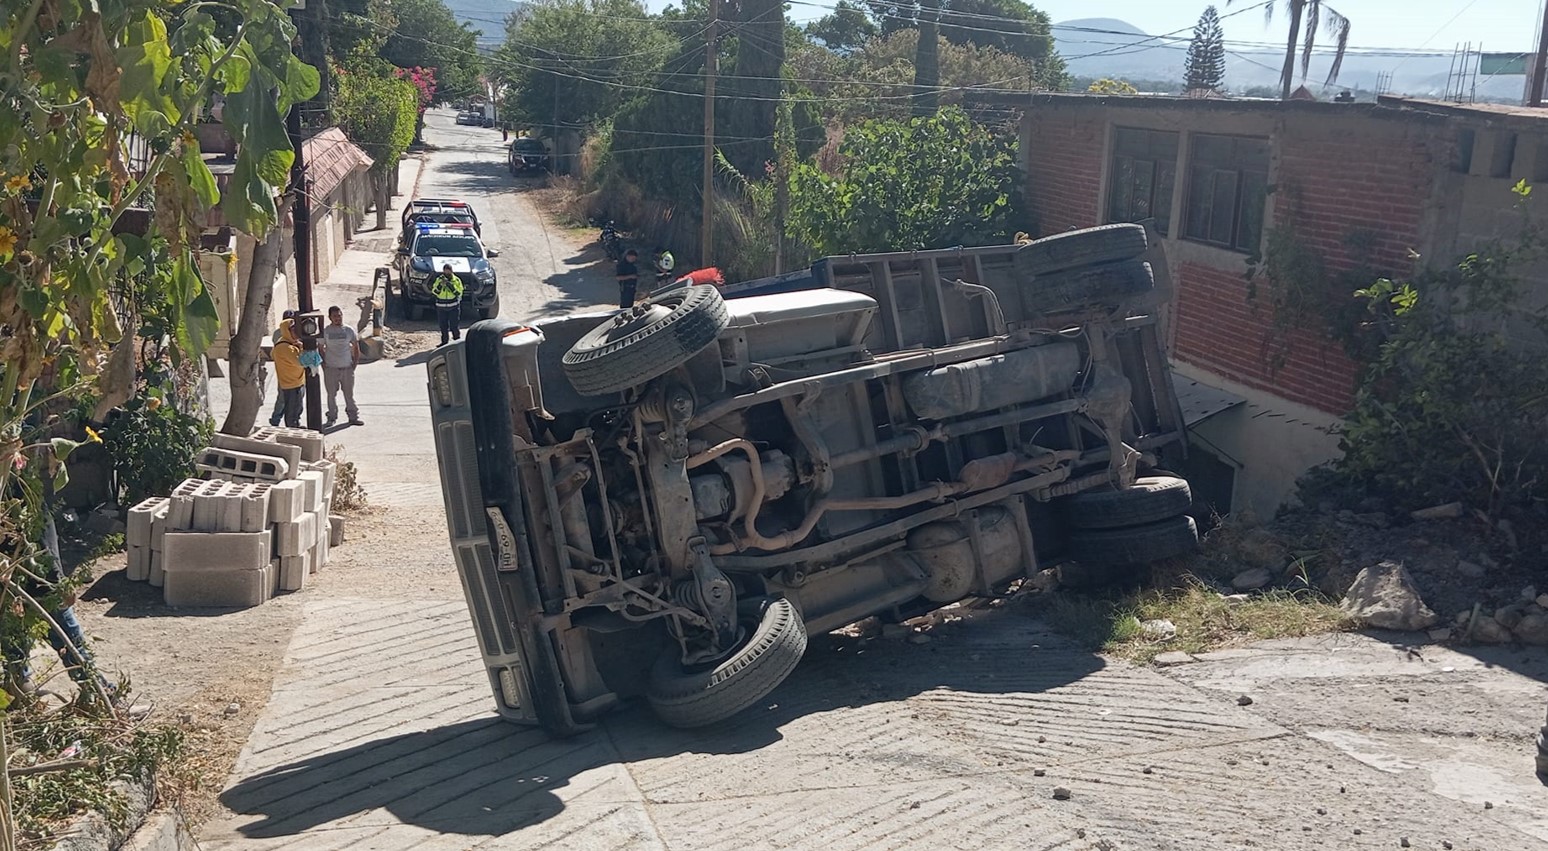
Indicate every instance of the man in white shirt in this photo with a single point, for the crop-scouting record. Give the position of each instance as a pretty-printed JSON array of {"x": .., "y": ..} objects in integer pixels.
[{"x": 341, "y": 354}]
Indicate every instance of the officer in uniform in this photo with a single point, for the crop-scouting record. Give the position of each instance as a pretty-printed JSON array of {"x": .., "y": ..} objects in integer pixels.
[{"x": 447, "y": 289}]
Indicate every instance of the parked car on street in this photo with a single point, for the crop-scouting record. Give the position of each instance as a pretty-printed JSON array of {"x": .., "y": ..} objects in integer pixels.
[
  {"x": 527, "y": 155},
  {"x": 666, "y": 501},
  {"x": 431, "y": 248},
  {"x": 470, "y": 117}
]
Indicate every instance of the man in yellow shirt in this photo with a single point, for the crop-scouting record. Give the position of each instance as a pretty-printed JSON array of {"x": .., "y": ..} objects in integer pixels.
[
  {"x": 290, "y": 374},
  {"x": 447, "y": 289}
]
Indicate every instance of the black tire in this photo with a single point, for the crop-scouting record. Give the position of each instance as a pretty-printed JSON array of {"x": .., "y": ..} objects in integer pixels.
[
  {"x": 697, "y": 698},
  {"x": 1077, "y": 248},
  {"x": 1090, "y": 286},
  {"x": 654, "y": 338},
  {"x": 1151, "y": 499},
  {"x": 489, "y": 312},
  {"x": 1174, "y": 536}
]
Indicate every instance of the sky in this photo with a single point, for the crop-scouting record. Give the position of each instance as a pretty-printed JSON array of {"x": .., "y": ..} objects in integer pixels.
[{"x": 1501, "y": 25}]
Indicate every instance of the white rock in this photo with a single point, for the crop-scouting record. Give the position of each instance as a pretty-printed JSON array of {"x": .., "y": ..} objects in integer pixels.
[
  {"x": 1441, "y": 634},
  {"x": 1487, "y": 630},
  {"x": 1532, "y": 629},
  {"x": 1158, "y": 630},
  {"x": 1384, "y": 597}
]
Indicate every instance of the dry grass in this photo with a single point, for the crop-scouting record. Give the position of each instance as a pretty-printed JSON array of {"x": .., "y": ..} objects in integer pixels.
[{"x": 1204, "y": 619}]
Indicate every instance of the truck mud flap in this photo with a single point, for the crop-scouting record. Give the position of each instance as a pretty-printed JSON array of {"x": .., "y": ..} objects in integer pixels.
[{"x": 493, "y": 433}]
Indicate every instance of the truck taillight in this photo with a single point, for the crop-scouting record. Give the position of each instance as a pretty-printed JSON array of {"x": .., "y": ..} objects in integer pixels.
[{"x": 510, "y": 692}]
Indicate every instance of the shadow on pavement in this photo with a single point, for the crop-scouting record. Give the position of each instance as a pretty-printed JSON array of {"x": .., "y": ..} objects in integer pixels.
[
  {"x": 489, "y": 778},
  {"x": 476, "y": 175}
]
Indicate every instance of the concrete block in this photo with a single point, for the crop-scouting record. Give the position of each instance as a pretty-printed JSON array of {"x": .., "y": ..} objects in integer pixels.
[
  {"x": 181, "y": 516},
  {"x": 255, "y": 507},
  {"x": 328, "y": 469},
  {"x": 194, "y": 551},
  {"x": 310, "y": 442},
  {"x": 287, "y": 500},
  {"x": 230, "y": 462},
  {"x": 216, "y": 508},
  {"x": 313, "y": 482},
  {"x": 294, "y": 570},
  {"x": 159, "y": 526},
  {"x": 224, "y": 587},
  {"x": 139, "y": 564},
  {"x": 156, "y": 576},
  {"x": 320, "y": 555},
  {"x": 138, "y": 531},
  {"x": 335, "y": 530},
  {"x": 289, "y": 452},
  {"x": 293, "y": 539}
]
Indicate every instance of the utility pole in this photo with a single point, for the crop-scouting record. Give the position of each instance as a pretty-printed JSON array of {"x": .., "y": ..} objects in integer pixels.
[
  {"x": 711, "y": 63},
  {"x": 1542, "y": 61},
  {"x": 301, "y": 220}
]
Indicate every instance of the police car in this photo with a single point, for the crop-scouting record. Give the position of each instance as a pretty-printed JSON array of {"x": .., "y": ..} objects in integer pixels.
[{"x": 431, "y": 246}]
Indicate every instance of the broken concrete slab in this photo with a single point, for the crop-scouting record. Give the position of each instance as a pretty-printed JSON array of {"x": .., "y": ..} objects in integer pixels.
[{"x": 1384, "y": 596}]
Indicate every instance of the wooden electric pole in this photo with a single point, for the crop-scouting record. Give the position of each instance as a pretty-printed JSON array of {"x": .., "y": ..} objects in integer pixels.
[
  {"x": 1542, "y": 62},
  {"x": 711, "y": 63}
]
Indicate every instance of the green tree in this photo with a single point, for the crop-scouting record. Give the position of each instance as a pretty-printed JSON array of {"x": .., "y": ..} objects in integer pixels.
[
  {"x": 1109, "y": 86},
  {"x": 924, "y": 182},
  {"x": 380, "y": 115},
  {"x": 877, "y": 81},
  {"x": 1009, "y": 26},
  {"x": 1204, "y": 68},
  {"x": 844, "y": 30},
  {"x": 427, "y": 35},
  {"x": 100, "y": 102},
  {"x": 1305, "y": 16},
  {"x": 575, "y": 63}
]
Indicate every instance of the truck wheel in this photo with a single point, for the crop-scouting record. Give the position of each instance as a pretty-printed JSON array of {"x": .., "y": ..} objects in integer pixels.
[
  {"x": 650, "y": 340},
  {"x": 696, "y": 698},
  {"x": 1151, "y": 499},
  {"x": 1087, "y": 247},
  {"x": 1174, "y": 536},
  {"x": 1088, "y": 286},
  {"x": 491, "y": 311}
]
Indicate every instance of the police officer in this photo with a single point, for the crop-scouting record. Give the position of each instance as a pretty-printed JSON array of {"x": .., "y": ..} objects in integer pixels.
[{"x": 447, "y": 289}]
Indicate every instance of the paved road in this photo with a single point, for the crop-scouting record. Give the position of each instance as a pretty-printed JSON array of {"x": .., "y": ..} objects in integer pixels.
[{"x": 380, "y": 734}]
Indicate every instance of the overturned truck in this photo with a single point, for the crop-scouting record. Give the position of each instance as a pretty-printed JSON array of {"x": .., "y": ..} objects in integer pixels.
[{"x": 666, "y": 501}]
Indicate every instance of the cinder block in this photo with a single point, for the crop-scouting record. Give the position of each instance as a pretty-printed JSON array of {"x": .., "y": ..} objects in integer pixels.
[
  {"x": 217, "y": 507},
  {"x": 230, "y": 462},
  {"x": 287, "y": 500},
  {"x": 335, "y": 530},
  {"x": 224, "y": 587},
  {"x": 139, "y": 564},
  {"x": 328, "y": 469},
  {"x": 159, "y": 526},
  {"x": 310, "y": 442},
  {"x": 320, "y": 555},
  {"x": 181, "y": 516},
  {"x": 156, "y": 576},
  {"x": 137, "y": 532},
  {"x": 185, "y": 551},
  {"x": 294, "y": 570},
  {"x": 289, "y": 452},
  {"x": 313, "y": 481},
  {"x": 293, "y": 539},
  {"x": 255, "y": 507}
]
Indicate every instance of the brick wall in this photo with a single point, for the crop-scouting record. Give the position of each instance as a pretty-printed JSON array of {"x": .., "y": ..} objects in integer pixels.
[{"x": 1064, "y": 151}]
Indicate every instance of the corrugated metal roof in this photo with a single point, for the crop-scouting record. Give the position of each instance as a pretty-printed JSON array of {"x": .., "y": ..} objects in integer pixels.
[{"x": 331, "y": 157}]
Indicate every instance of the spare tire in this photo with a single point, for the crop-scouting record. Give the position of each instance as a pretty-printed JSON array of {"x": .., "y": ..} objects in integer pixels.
[
  {"x": 646, "y": 341},
  {"x": 1135, "y": 544},
  {"x": 1151, "y": 498},
  {"x": 694, "y": 698},
  {"x": 1089, "y": 286},
  {"x": 1076, "y": 248}
]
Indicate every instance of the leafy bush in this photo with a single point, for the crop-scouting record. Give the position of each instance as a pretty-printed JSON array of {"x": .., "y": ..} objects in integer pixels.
[
  {"x": 925, "y": 182},
  {"x": 153, "y": 446},
  {"x": 1453, "y": 406}
]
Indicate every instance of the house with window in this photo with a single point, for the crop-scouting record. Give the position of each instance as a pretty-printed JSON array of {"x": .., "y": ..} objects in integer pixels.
[{"x": 1363, "y": 190}]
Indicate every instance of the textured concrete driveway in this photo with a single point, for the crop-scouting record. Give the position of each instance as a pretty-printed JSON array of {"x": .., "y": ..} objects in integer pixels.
[{"x": 380, "y": 732}]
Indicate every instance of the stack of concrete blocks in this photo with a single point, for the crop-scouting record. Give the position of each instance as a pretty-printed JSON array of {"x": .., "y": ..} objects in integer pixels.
[
  {"x": 258, "y": 523},
  {"x": 217, "y": 544}
]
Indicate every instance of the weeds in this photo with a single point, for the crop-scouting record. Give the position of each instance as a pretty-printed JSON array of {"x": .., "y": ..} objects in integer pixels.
[{"x": 348, "y": 493}]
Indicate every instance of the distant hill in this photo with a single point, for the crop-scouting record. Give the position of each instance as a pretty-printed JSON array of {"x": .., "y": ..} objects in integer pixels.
[
  {"x": 486, "y": 17},
  {"x": 1122, "y": 50}
]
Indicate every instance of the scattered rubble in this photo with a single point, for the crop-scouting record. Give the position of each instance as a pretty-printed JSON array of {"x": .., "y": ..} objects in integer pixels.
[{"x": 1384, "y": 596}]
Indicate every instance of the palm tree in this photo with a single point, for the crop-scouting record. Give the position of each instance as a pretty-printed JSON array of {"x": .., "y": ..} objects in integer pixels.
[{"x": 1311, "y": 13}]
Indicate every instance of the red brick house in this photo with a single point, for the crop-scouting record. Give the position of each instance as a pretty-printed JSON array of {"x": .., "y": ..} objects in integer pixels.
[{"x": 1360, "y": 186}]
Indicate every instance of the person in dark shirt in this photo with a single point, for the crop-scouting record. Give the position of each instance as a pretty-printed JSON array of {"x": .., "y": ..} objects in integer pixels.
[{"x": 628, "y": 278}]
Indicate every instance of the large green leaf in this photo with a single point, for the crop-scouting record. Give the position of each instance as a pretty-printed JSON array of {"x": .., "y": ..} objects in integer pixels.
[
  {"x": 145, "y": 58},
  {"x": 251, "y": 118},
  {"x": 200, "y": 179},
  {"x": 248, "y": 202}
]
